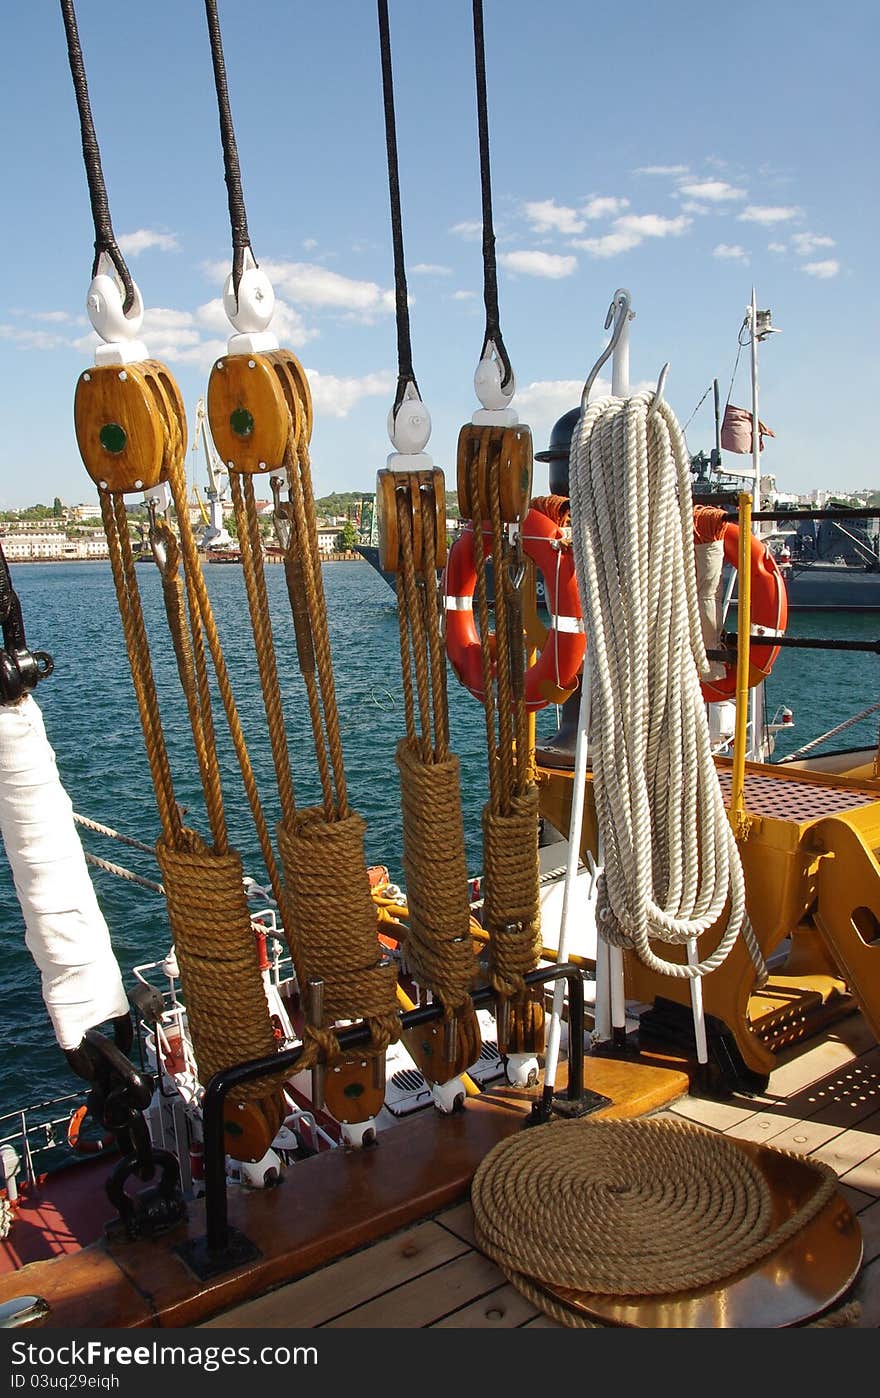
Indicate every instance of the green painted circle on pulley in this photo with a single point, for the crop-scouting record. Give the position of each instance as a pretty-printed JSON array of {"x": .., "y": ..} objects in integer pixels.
[
  {"x": 241, "y": 422},
  {"x": 113, "y": 437}
]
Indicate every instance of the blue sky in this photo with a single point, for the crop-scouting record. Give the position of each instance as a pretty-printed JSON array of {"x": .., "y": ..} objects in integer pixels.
[{"x": 681, "y": 150}]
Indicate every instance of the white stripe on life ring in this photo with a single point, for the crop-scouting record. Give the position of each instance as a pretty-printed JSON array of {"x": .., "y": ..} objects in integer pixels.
[
  {"x": 765, "y": 632},
  {"x": 459, "y": 604},
  {"x": 566, "y": 623}
]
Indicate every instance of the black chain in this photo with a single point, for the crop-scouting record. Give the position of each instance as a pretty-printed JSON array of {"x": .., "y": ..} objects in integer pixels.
[
  {"x": 490, "y": 272},
  {"x": 105, "y": 240},
  {"x": 405, "y": 371},
  {"x": 241, "y": 242}
]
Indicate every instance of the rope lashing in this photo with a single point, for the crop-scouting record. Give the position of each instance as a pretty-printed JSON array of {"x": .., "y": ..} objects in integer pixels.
[
  {"x": 671, "y": 859},
  {"x": 217, "y": 954},
  {"x": 241, "y": 242},
  {"x": 492, "y": 334},
  {"x": 334, "y": 926},
  {"x": 411, "y": 499},
  {"x": 105, "y": 240},
  {"x": 638, "y": 1208}
]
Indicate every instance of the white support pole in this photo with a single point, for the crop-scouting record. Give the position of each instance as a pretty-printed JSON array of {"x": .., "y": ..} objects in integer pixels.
[
  {"x": 756, "y": 733},
  {"x": 551, "y": 1057}
]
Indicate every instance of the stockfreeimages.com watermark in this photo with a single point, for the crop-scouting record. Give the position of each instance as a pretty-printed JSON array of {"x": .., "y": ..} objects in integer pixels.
[{"x": 75, "y": 1358}]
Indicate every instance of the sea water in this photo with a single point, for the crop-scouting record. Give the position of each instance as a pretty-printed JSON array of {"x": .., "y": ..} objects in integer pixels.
[{"x": 92, "y": 722}]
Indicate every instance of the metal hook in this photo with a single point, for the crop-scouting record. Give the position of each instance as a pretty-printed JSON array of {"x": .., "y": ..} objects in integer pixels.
[
  {"x": 620, "y": 313},
  {"x": 658, "y": 396}
]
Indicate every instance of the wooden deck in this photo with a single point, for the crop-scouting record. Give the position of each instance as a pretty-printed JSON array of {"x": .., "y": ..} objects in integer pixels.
[{"x": 821, "y": 1101}]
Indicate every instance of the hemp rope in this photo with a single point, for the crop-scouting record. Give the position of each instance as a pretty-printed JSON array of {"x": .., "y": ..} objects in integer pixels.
[
  {"x": 227, "y": 1014},
  {"x": 333, "y": 923},
  {"x": 511, "y": 906},
  {"x": 439, "y": 947},
  {"x": 671, "y": 859},
  {"x": 639, "y": 1208}
]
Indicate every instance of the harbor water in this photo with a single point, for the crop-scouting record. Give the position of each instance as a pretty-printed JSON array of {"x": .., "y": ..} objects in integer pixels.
[{"x": 92, "y": 722}]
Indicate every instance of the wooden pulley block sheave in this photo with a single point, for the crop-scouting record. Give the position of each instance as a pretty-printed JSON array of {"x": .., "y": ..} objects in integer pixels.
[
  {"x": 480, "y": 448},
  {"x": 415, "y": 484},
  {"x": 128, "y": 419},
  {"x": 252, "y": 399}
]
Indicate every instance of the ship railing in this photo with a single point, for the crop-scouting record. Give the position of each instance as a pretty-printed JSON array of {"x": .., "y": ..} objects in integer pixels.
[{"x": 30, "y": 1137}]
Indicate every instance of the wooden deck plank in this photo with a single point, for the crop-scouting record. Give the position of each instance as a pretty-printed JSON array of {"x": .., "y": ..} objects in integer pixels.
[
  {"x": 503, "y": 1309},
  {"x": 460, "y": 1221},
  {"x": 343, "y": 1285},
  {"x": 865, "y": 1175},
  {"x": 850, "y": 1148},
  {"x": 427, "y": 1299}
]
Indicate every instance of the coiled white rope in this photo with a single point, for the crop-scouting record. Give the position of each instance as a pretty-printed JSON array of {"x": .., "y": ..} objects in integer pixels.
[
  {"x": 66, "y": 932},
  {"x": 671, "y": 860}
]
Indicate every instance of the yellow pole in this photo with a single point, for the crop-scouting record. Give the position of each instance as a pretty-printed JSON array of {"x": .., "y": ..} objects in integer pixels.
[
  {"x": 405, "y": 1003},
  {"x": 744, "y": 631}
]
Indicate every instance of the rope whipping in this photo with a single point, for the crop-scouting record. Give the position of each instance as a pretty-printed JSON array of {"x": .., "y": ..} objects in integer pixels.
[
  {"x": 487, "y": 456},
  {"x": 439, "y": 950},
  {"x": 105, "y": 240},
  {"x": 116, "y": 414},
  {"x": 642, "y": 1208},
  {"x": 330, "y": 919},
  {"x": 671, "y": 859}
]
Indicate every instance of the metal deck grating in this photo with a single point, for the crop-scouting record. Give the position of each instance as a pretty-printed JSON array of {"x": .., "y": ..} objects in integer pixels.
[{"x": 794, "y": 800}]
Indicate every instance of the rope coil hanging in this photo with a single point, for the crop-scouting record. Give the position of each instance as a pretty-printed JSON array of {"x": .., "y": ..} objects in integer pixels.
[
  {"x": 131, "y": 432},
  {"x": 260, "y": 414},
  {"x": 494, "y": 481},
  {"x": 412, "y": 501},
  {"x": 671, "y": 859}
]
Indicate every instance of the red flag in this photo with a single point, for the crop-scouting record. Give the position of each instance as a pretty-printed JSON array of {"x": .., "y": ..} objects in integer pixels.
[{"x": 736, "y": 430}]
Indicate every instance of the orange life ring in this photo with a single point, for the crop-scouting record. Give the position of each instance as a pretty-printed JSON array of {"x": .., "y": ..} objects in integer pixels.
[
  {"x": 86, "y": 1145},
  {"x": 769, "y": 614},
  {"x": 552, "y": 678}
]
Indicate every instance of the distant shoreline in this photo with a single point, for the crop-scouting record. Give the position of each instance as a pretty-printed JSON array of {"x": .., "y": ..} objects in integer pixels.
[{"x": 268, "y": 558}]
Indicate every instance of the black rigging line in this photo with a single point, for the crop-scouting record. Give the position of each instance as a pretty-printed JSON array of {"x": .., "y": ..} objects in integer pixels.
[
  {"x": 405, "y": 371},
  {"x": 105, "y": 240},
  {"x": 241, "y": 242},
  {"x": 490, "y": 274}
]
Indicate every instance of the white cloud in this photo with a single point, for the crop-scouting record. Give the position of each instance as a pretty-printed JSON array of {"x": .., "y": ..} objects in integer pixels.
[
  {"x": 777, "y": 247},
  {"x": 768, "y": 213},
  {"x": 653, "y": 225},
  {"x": 823, "y": 270},
  {"x": 464, "y": 295},
  {"x": 662, "y": 170},
  {"x": 470, "y": 229},
  {"x": 287, "y": 323},
  {"x": 604, "y": 206},
  {"x": 309, "y": 244},
  {"x": 712, "y": 191},
  {"x": 805, "y": 243},
  {"x": 430, "y": 269},
  {"x": 731, "y": 252},
  {"x": 690, "y": 207},
  {"x": 55, "y": 317},
  {"x": 632, "y": 229},
  {"x": 308, "y": 284},
  {"x": 335, "y": 397},
  {"x": 546, "y": 216},
  {"x": 32, "y": 339},
  {"x": 143, "y": 238},
  {"x": 532, "y": 263},
  {"x": 611, "y": 245}
]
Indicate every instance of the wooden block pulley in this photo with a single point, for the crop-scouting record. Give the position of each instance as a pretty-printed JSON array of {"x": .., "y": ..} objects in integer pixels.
[
  {"x": 480, "y": 448},
  {"x": 127, "y": 417},
  {"x": 248, "y": 413},
  {"x": 417, "y": 485}
]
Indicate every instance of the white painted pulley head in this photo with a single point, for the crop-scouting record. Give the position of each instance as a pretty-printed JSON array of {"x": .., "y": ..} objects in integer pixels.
[
  {"x": 410, "y": 428},
  {"x": 104, "y": 306},
  {"x": 256, "y": 299},
  {"x": 487, "y": 382}
]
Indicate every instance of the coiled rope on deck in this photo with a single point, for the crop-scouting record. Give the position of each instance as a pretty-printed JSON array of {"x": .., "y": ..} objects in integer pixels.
[
  {"x": 671, "y": 859},
  {"x": 627, "y": 1208}
]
